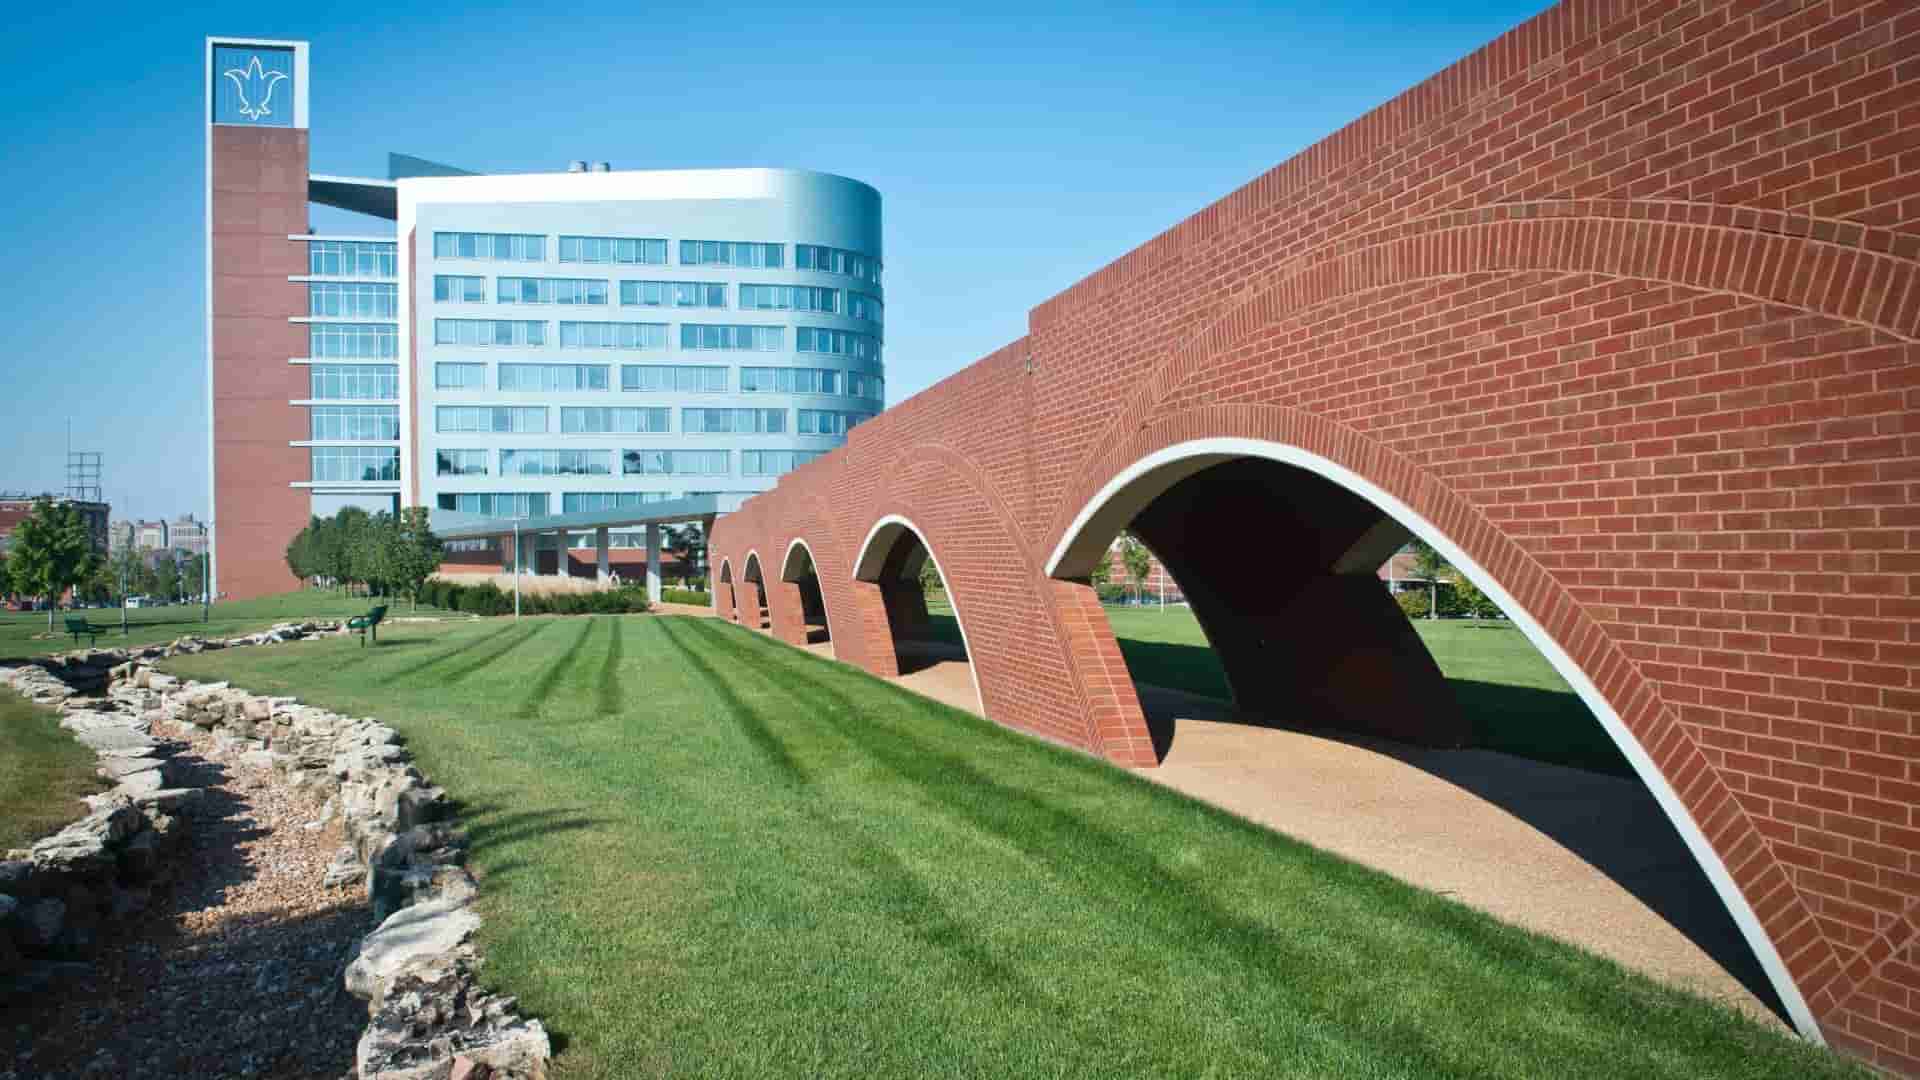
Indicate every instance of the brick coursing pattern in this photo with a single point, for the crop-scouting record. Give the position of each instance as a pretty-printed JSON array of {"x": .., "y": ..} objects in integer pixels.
[{"x": 1626, "y": 304}]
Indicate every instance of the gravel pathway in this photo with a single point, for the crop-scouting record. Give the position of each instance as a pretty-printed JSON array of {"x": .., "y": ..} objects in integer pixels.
[{"x": 235, "y": 968}]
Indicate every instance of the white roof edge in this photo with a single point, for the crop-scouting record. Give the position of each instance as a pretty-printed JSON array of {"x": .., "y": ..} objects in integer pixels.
[
  {"x": 344, "y": 236},
  {"x": 363, "y": 181}
]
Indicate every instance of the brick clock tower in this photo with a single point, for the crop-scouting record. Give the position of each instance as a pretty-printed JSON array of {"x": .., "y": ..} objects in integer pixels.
[{"x": 256, "y": 94}]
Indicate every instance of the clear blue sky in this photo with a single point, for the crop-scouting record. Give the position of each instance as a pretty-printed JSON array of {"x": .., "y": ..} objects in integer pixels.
[{"x": 1017, "y": 150}]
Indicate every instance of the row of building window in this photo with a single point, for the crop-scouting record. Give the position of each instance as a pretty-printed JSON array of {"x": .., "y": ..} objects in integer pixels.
[
  {"x": 355, "y": 382},
  {"x": 364, "y": 422},
  {"x": 606, "y": 335},
  {"x": 620, "y": 420},
  {"x": 352, "y": 300},
  {"x": 524, "y": 504},
  {"x": 652, "y": 251},
  {"x": 352, "y": 258},
  {"x": 353, "y": 341},
  {"x": 657, "y": 378},
  {"x": 356, "y": 463},
  {"x": 648, "y": 462},
  {"x": 472, "y": 289}
]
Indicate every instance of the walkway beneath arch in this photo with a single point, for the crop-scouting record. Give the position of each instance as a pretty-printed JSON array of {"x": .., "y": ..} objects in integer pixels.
[{"x": 1600, "y": 866}]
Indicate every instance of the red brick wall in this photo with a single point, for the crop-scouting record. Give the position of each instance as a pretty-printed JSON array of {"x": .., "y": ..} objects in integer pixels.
[
  {"x": 1625, "y": 305},
  {"x": 259, "y": 198}
]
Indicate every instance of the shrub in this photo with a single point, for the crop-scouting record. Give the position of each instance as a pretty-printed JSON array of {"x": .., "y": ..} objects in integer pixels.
[
  {"x": 485, "y": 599},
  {"x": 686, "y": 596},
  {"x": 1413, "y": 602}
]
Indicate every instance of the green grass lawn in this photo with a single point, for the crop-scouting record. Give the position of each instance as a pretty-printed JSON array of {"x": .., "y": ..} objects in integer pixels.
[
  {"x": 704, "y": 852},
  {"x": 43, "y": 773},
  {"x": 1518, "y": 704},
  {"x": 24, "y": 633}
]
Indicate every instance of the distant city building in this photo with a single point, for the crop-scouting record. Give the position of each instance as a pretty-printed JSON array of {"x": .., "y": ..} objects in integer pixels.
[
  {"x": 119, "y": 536},
  {"x": 186, "y": 534},
  {"x": 14, "y": 508},
  {"x": 150, "y": 536}
]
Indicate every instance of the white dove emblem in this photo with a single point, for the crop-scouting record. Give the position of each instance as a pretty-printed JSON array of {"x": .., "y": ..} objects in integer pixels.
[{"x": 252, "y": 75}]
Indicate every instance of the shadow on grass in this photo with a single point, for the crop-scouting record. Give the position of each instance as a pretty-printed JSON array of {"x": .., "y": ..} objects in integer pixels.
[{"x": 443, "y": 655}]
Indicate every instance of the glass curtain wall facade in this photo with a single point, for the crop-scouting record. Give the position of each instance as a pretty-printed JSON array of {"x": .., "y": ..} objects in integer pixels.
[
  {"x": 595, "y": 341},
  {"x": 353, "y": 367}
]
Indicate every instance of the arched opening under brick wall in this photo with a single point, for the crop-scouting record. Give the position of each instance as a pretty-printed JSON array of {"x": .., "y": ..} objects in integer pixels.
[
  {"x": 725, "y": 596},
  {"x": 929, "y": 641},
  {"x": 753, "y": 610},
  {"x": 797, "y": 570},
  {"x": 1332, "y": 690}
]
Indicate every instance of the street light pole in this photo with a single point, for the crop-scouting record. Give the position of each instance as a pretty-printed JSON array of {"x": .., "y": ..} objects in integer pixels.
[{"x": 516, "y": 568}]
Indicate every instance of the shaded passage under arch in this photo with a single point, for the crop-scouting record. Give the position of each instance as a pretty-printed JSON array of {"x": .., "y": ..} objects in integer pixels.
[
  {"x": 798, "y": 570},
  {"x": 1343, "y": 731}
]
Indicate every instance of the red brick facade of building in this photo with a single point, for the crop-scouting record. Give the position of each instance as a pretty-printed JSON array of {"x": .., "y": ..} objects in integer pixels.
[
  {"x": 1623, "y": 307},
  {"x": 259, "y": 198}
]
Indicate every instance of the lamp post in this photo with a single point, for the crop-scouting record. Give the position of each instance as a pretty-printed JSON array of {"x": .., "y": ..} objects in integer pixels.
[{"x": 516, "y": 568}]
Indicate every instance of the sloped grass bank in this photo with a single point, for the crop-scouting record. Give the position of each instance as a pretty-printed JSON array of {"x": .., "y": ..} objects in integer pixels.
[
  {"x": 44, "y": 772},
  {"x": 705, "y": 852}
]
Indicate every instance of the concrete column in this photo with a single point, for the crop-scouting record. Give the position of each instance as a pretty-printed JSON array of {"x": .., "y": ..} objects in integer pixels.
[
  {"x": 653, "y": 562},
  {"x": 600, "y": 554}
]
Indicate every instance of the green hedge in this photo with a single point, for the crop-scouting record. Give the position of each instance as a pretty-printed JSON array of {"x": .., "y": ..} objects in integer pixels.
[
  {"x": 686, "y": 596},
  {"x": 487, "y": 598}
]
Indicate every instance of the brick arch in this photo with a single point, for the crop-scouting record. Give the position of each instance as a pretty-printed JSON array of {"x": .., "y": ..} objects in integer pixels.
[
  {"x": 785, "y": 606},
  {"x": 1771, "y": 257},
  {"x": 725, "y": 597},
  {"x": 1722, "y": 837},
  {"x": 753, "y": 577},
  {"x": 1037, "y": 624}
]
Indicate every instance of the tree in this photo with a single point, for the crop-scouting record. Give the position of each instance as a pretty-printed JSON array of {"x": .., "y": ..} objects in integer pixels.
[
  {"x": 1102, "y": 571},
  {"x": 194, "y": 580},
  {"x": 1429, "y": 564},
  {"x": 167, "y": 577},
  {"x": 342, "y": 535},
  {"x": 688, "y": 543},
  {"x": 52, "y": 552},
  {"x": 415, "y": 553},
  {"x": 1474, "y": 602},
  {"x": 1138, "y": 561}
]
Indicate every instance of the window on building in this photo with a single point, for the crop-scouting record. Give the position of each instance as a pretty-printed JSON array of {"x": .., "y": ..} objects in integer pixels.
[
  {"x": 836, "y": 343},
  {"x": 683, "y": 294},
  {"x": 731, "y": 253},
  {"x": 352, "y": 341},
  {"x": 449, "y": 376},
  {"x": 789, "y": 298},
  {"x": 871, "y": 387},
  {"x": 502, "y": 418},
  {"x": 676, "y": 462},
  {"x": 369, "y": 422},
  {"x": 352, "y": 300},
  {"x": 837, "y": 261},
  {"x": 863, "y": 307},
  {"x": 613, "y": 335},
  {"x": 556, "y": 463},
  {"x": 773, "y": 462},
  {"x": 577, "y": 501},
  {"x": 340, "y": 464},
  {"x": 554, "y": 377},
  {"x": 745, "y": 338},
  {"x": 675, "y": 378},
  {"x": 459, "y": 289},
  {"x": 734, "y": 421},
  {"x": 460, "y": 462},
  {"x": 615, "y": 419},
  {"x": 351, "y": 258},
  {"x": 789, "y": 380},
  {"x": 534, "y": 290},
  {"x": 496, "y": 503},
  {"x": 828, "y": 422},
  {"x": 499, "y": 247},
  {"x": 488, "y": 332},
  {"x": 637, "y": 251},
  {"x": 354, "y": 382}
]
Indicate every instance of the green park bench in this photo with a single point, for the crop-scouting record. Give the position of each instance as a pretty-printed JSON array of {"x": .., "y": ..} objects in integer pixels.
[
  {"x": 78, "y": 625},
  {"x": 367, "y": 623}
]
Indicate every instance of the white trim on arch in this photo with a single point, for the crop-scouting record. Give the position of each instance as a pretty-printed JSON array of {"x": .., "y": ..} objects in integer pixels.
[
  {"x": 861, "y": 572},
  {"x": 1183, "y": 459}
]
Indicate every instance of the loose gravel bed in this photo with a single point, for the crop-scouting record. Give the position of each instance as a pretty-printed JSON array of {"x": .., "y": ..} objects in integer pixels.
[{"x": 235, "y": 969}]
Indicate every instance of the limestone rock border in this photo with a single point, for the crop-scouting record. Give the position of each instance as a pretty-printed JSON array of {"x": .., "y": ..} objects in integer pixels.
[{"x": 417, "y": 970}]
